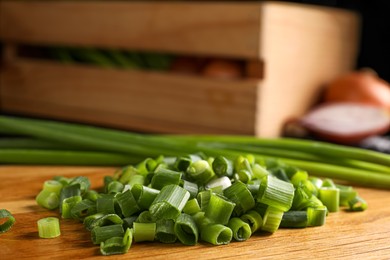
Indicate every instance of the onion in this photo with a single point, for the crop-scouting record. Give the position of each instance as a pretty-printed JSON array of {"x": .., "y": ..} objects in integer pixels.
[
  {"x": 346, "y": 122},
  {"x": 362, "y": 86}
]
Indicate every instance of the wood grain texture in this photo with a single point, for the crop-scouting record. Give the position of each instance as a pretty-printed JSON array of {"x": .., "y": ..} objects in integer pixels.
[
  {"x": 345, "y": 235},
  {"x": 225, "y": 29}
]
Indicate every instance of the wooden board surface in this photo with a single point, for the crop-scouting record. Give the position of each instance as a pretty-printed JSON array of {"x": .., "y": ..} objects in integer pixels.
[{"x": 359, "y": 235}]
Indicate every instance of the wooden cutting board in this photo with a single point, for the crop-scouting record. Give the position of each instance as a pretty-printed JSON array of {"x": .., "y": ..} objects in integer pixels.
[{"x": 347, "y": 235}]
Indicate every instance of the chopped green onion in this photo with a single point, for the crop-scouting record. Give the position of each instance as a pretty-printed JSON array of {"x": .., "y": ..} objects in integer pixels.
[
  {"x": 68, "y": 204},
  {"x": 216, "y": 234},
  {"x": 117, "y": 245},
  {"x": 169, "y": 203},
  {"x": 69, "y": 191},
  {"x": 204, "y": 198},
  {"x": 200, "y": 172},
  {"x": 186, "y": 229},
  {"x": 294, "y": 219},
  {"x": 191, "y": 207},
  {"x": 165, "y": 232},
  {"x": 144, "y": 195},
  {"x": 91, "y": 195},
  {"x": 219, "y": 209},
  {"x": 182, "y": 163},
  {"x": 272, "y": 219},
  {"x": 222, "y": 166},
  {"x": 53, "y": 186},
  {"x": 101, "y": 219},
  {"x": 106, "y": 204},
  {"x": 241, "y": 196},
  {"x": 347, "y": 193},
  {"x": 82, "y": 209},
  {"x": 144, "y": 231},
  {"x": 357, "y": 204},
  {"x": 330, "y": 196},
  {"x": 115, "y": 187},
  {"x": 102, "y": 233},
  {"x": 316, "y": 216},
  {"x": 9, "y": 220},
  {"x": 127, "y": 203},
  {"x": 128, "y": 222},
  {"x": 145, "y": 217},
  {"x": 254, "y": 220},
  {"x": 163, "y": 177},
  {"x": 222, "y": 182},
  {"x": 276, "y": 193},
  {"x": 48, "y": 199},
  {"x": 241, "y": 229},
  {"x": 191, "y": 187},
  {"x": 49, "y": 227},
  {"x": 82, "y": 181}
]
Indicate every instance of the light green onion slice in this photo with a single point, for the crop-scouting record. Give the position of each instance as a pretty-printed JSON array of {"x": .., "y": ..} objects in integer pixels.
[
  {"x": 69, "y": 191},
  {"x": 186, "y": 230},
  {"x": 117, "y": 245},
  {"x": 241, "y": 196},
  {"x": 200, "y": 172},
  {"x": 163, "y": 177},
  {"x": 276, "y": 193},
  {"x": 144, "y": 231},
  {"x": 347, "y": 193},
  {"x": 82, "y": 181},
  {"x": 144, "y": 195},
  {"x": 330, "y": 197},
  {"x": 91, "y": 195},
  {"x": 191, "y": 207},
  {"x": 357, "y": 204},
  {"x": 241, "y": 229},
  {"x": 101, "y": 234},
  {"x": 204, "y": 198},
  {"x": 9, "y": 220},
  {"x": 219, "y": 209},
  {"x": 170, "y": 202},
  {"x": 48, "y": 199},
  {"x": 106, "y": 204},
  {"x": 127, "y": 203},
  {"x": 165, "y": 232},
  {"x": 146, "y": 166},
  {"x": 216, "y": 234},
  {"x": 272, "y": 218},
  {"x": 68, "y": 204},
  {"x": 115, "y": 187},
  {"x": 298, "y": 177},
  {"x": 316, "y": 216},
  {"x": 191, "y": 187},
  {"x": 49, "y": 227},
  {"x": 222, "y": 182},
  {"x": 53, "y": 186},
  {"x": 254, "y": 220},
  {"x": 294, "y": 219},
  {"x": 222, "y": 166},
  {"x": 145, "y": 217},
  {"x": 101, "y": 219}
]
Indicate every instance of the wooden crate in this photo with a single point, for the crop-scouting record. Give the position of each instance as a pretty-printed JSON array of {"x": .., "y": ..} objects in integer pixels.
[{"x": 301, "y": 47}]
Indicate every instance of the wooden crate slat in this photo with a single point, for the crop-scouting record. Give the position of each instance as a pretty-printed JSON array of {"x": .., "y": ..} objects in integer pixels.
[{"x": 228, "y": 29}]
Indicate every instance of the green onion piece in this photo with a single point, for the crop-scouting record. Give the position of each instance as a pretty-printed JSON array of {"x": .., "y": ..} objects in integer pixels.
[
  {"x": 316, "y": 181},
  {"x": 126, "y": 173},
  {"x": 68, "y": 204},
  {"x": 101, "y": 219},
  {"x": 91, "y": 195},
  {"x": 49, "y": 227},
  {"x": 309, "y": 187},
  {"x": 145, "y": 217},
  {"x": 244, "y": 176},
  {"x": 200, "y": 172},
  {"x": 254, "y": 220},
  {"x": 191, "y": 207},
  {"x": 163, "y": 177},
  {"x": 316, "y": 216},
  {"x": 241, "y": 196},
  {"x": 357, "y": 204},
  {"x": 82, "y": 209},
  {"x": 186, "y": 229},
  {"x": 144, "y": 231},
  {"x": 144, "y": 195},
  {"x": 241, "y": 229},
  {"x": 182, "y": 163},
  {"x": 298, "y": 177},
  {"x": 127, "y": 203},
  {"x": 272, "y": 218},
  {"x": 219, "y": 209},
  {"x": 242, "y": 163},
  {"x": 200, "y": 220},
  {"x": 276, "y": 193},
  {"x": 191, "y": 187},
  {"x": 9, "y": 220},
  {"x": 117, "y": 245},
  {"x": 136, "y": 179},
  {"x": 294, "y": 219},
  {"x": 216, "y": 234},
  {"x": 328, "y": 183},
  {"x": 115, "y": 187},
  {"x": 102, "y": 233},
  {"x": 330, "y": 197},
  {"x": 169, "y": 202},
  {"x": 48, "y": 199},
  {"x": 165, "y": 232},
  {"x": 222, "y": 182},
  {"x": 69, "y": 191},
  {"x": 204, "y": 198},
  {"x": 222, "y": 166},
  {"x": 106, "y": 204},
  {"x": 63, "y": 180},
  {"x": 83, "y": 181},
  {"x": 146, "y": 166},
  {"x": 259, "y": 171},
  {"x": 107, "y": 180},
  {"x": 53, "y": 186},
  {"x": 347, "y": 193}
]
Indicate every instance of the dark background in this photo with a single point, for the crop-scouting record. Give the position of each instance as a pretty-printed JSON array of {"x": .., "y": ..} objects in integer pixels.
[{"x": 375, "y": 32}]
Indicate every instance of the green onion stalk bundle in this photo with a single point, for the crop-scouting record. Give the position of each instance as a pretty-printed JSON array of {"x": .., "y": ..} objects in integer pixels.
[
  {"x": 191, "y": 199},
  {"x": 37, "y": 141}
]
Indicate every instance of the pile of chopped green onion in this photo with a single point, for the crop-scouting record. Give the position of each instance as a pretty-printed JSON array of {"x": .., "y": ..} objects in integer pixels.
[
  {"x": 34, "y": 141},
  {"x": 194, "y": 198}
]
